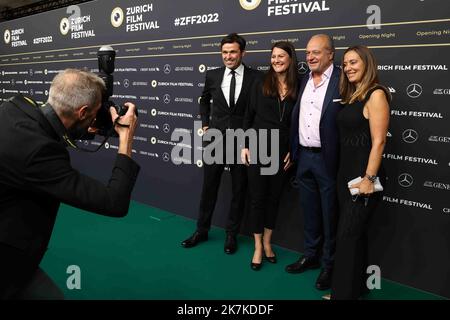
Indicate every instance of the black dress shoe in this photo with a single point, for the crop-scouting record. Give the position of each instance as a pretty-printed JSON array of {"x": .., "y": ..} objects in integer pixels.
[
  {"x": 255, "y": 266},
  {"x": 324, "y": 280},
  {"x": 230, "y": 244},
  {"x": 302, "y": 265},
  {"x": 195, "y": 239},
  {"x": 271, "y": 259}
]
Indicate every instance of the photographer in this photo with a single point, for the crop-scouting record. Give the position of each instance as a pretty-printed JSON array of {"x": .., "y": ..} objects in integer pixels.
[{"x": 36, "y": 175}]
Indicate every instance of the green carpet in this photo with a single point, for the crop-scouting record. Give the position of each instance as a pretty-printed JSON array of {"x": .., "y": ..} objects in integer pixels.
[{"x": 140, "y": 257}]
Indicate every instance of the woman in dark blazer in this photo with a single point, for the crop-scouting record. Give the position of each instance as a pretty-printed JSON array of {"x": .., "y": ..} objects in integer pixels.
[{"x": 270, "y": 107}]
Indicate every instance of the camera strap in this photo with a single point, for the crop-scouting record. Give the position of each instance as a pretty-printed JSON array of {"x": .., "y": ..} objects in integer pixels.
[{"x": 74, "y": 145}]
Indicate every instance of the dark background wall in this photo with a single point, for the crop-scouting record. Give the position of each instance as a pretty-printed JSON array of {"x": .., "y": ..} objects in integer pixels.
[{"x": 160, "y": 67}]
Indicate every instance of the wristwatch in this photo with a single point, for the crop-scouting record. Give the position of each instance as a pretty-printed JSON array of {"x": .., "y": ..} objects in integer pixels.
[{"x": 371, "y": 178}]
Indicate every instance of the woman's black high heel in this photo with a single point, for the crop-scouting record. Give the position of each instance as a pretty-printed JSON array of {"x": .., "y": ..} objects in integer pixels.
[
  {"x": 271, "y": 259},
  {"x": 255, "y": 266}
]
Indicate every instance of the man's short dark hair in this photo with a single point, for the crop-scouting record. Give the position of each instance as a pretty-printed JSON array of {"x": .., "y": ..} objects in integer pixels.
[{"x": 234, "y": 37}]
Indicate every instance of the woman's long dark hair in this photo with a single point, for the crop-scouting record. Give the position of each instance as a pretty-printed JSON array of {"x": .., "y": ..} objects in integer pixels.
[{"x": 270, "y": 85}]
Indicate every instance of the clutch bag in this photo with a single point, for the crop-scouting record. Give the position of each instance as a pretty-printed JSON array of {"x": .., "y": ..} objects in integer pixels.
[{"x": 354, "y": 191}]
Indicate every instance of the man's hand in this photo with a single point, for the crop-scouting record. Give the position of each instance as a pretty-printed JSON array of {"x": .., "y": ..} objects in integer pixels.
[{"x": 126, "y": 134}]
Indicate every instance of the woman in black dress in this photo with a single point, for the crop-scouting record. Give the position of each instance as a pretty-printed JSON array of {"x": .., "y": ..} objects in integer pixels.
[
  {"x": 270, "y": 107},
  {"x": 363, "y": 125}
]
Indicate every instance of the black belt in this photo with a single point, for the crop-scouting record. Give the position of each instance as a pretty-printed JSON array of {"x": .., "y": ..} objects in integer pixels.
[{"x": 312, "y": 149}]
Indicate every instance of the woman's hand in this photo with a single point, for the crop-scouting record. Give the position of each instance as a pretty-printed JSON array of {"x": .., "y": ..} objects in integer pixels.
[
  {"x": 245, "y": 156},
  {"x": 287, "y": 161},
  {"x": 365, "y": 187}
]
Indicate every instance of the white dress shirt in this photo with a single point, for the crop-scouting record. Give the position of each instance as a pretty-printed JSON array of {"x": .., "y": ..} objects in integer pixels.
[
  {"x": 311, "y": 106},
  {"x": 227, "y": 81}
]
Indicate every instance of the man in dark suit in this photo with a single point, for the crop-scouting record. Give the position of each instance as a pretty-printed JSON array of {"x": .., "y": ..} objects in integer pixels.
[
  {"x": 315, "y": 148},
  {"x": 36, "y": 175},
  {"x": 222, "y": 106}
]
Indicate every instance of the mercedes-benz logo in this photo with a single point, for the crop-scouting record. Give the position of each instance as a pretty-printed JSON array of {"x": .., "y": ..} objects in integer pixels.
[
  {"x": 410, "y": 136},
  {"x": 166, "y": 157},
  {"x": 414, "y": 90},
  {"x": 302, "y": 67},
  {"x": 167, "y": 68},
  {"x": 405, "y": 180},
  {"x": 166, "y": 128},
  {"x": 126, "y": 83},
  {"x": 166, "y": 98}
]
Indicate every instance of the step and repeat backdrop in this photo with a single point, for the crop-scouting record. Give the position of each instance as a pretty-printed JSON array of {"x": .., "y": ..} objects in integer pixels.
[{"x": 164, "y": 48}]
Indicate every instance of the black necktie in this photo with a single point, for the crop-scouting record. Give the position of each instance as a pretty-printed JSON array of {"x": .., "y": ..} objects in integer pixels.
[{"x": 232, "y": 87}]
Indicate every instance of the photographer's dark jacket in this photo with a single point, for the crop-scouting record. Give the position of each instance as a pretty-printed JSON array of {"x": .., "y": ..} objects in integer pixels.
[
  {"x": 36, "y": 175},
  {"x": 214, "y": 109}
]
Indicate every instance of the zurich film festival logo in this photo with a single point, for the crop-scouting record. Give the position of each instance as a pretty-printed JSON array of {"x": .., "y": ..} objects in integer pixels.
[
  {"x": 405, "y": 180},
  {"x": 414, "y": 90},
  {"x": 250, "y": 4},
  {"x": 117, "y": 17},
  {"x": 64, "y": 26},
  {"x": 7, "y": 36}
]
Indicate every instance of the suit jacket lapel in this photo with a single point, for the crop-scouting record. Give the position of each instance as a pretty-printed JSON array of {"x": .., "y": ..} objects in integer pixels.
[
  {"x": 330, "y": 90},
  {"x": 245, "y": 85},
  {"x": 219, "y": 86}
]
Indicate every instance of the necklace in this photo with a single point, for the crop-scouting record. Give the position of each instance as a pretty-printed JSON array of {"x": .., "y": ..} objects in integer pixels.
[{"x": 281, "y": 109}]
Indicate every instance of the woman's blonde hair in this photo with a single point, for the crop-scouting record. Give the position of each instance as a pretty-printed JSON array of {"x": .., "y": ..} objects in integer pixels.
[{"x": 349, "y": 92}]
